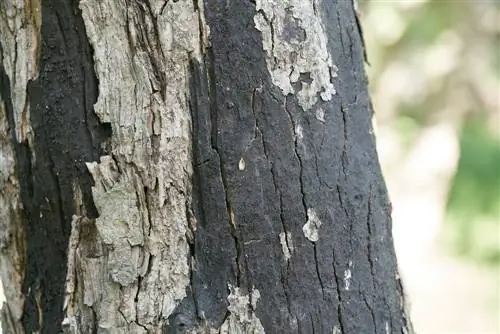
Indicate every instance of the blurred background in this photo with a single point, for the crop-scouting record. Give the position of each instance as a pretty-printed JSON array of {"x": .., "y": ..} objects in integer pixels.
[{"x": 435, "y": 82}]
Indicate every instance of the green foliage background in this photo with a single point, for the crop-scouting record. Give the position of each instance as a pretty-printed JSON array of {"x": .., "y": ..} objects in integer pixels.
[
  {"x": 473, "y": 208},
  {"x": 460, "y": 40}
]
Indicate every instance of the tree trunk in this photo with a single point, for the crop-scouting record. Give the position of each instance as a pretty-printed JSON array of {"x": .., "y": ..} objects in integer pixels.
[{"x": 190, "y": 167}]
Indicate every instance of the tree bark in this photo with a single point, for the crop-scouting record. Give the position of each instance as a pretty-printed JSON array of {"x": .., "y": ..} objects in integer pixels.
[{"x": 190, "y": 167}]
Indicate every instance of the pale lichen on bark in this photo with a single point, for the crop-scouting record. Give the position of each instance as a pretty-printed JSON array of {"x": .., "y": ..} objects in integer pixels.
[
  {"x": 348, "y": 276},
  {"x": 295, "y": 42},
  {"x": 242, "y": 318},
  {"x": 19, "y": 39},
  {"x": 311, "y": 227},
  {"x": 286, "y": 244}
]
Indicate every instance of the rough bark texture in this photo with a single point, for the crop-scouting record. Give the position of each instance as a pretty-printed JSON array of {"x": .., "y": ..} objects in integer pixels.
[{"x": 190, "y": 167}]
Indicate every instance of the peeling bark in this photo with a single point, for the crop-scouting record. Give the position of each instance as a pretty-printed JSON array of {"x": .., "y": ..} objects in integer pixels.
[
  {"x": 190, "y": 167},
  {"x": 295, "y": 42}
]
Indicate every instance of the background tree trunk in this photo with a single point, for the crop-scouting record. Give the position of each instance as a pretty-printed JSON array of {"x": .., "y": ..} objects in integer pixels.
[{"x": 180, "y": 166}]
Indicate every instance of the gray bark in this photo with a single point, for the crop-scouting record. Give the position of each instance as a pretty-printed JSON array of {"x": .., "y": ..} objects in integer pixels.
[{"x": 190, "y": 167}]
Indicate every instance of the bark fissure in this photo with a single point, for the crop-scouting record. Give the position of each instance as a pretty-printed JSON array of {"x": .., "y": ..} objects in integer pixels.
[
  {"x": 344, "y": 158},
  {"x": 345, "y": 28},
  {"x": 148, "y": 205},
  {"x": 232, "y": 222},
  {"x": 370, "y": 308},
  {"x": 297, "y": 156},
  {"x": 317, "y": 269},
  {"x": 369, "y": 235},
  {"x": 272, "y": 171},
  {"x": 359, "y": 27},
  {"x": 370, "y": 256},
  {"x": 340, "y": 312},
  {"x": 340, "y": 27},
  {"x": 286, "y": 230},
  {"x": 372, "y": 261},
  {"x": 349, "y": 221},
  {"x": 312, "y": 323},
  {"x": 212, "y": 96}
]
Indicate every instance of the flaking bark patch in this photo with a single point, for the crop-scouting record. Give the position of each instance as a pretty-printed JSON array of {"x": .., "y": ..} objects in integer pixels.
[
  {"x": 20, "y": 36},
  {"x": 48, "y": 88},
  {"x": 295, "y": 42},
  {"x": 135, "y": 264},
  {"x": 242, "y": 318},
  {"x": 12, "y": 247},
  {"x": 19, "y": 48}
]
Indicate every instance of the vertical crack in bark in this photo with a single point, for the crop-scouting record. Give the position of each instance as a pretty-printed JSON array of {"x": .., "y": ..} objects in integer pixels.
[
  {"x": 271, "y": 169},
  {"x": 312, "y": 323},
  {"x": 130, "y": 37},
  {"x": 280, "y": 197},
  {"x": 342, "y": 205},
  {"x": 360, "y": 30},
  {"x": 191, "y": 237},
  {"x": 370, "y": 256},
  {"x": 344, "y": 159},
  {"x": 212, "y": 96},
  {"x": 344, "y": 162},
  {"x": 271, "y": 28},
  {"x": 348, "y": 54},
  {"x": 370, "y": 308},
  {"x": 317, "y": 269},
  {"x": 370, "y": 236},
  {"x": 148, "y": 209},
  {"x": 287, "y": 295},
  {"x": 54, "y": 174},
  {"x": 232, "y": 226},
  {"x": 316, "y": 167},
  {"x": 338, "y": 281},
  {"x": 340, "y": 27},
  {"x": 198, "y": 6},
  {"x": 162, "y": 9},
  {"x": 150, "y": 40},
  {"x": 348, "y": 217},
  {"x": 140, "y": 280},
  {"x": 297, "y": 155}
]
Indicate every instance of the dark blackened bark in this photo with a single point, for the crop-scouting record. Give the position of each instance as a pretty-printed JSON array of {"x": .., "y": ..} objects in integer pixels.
[
  {"x": 51, "y": 168},
  {"x": 348, "y": 279}
]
